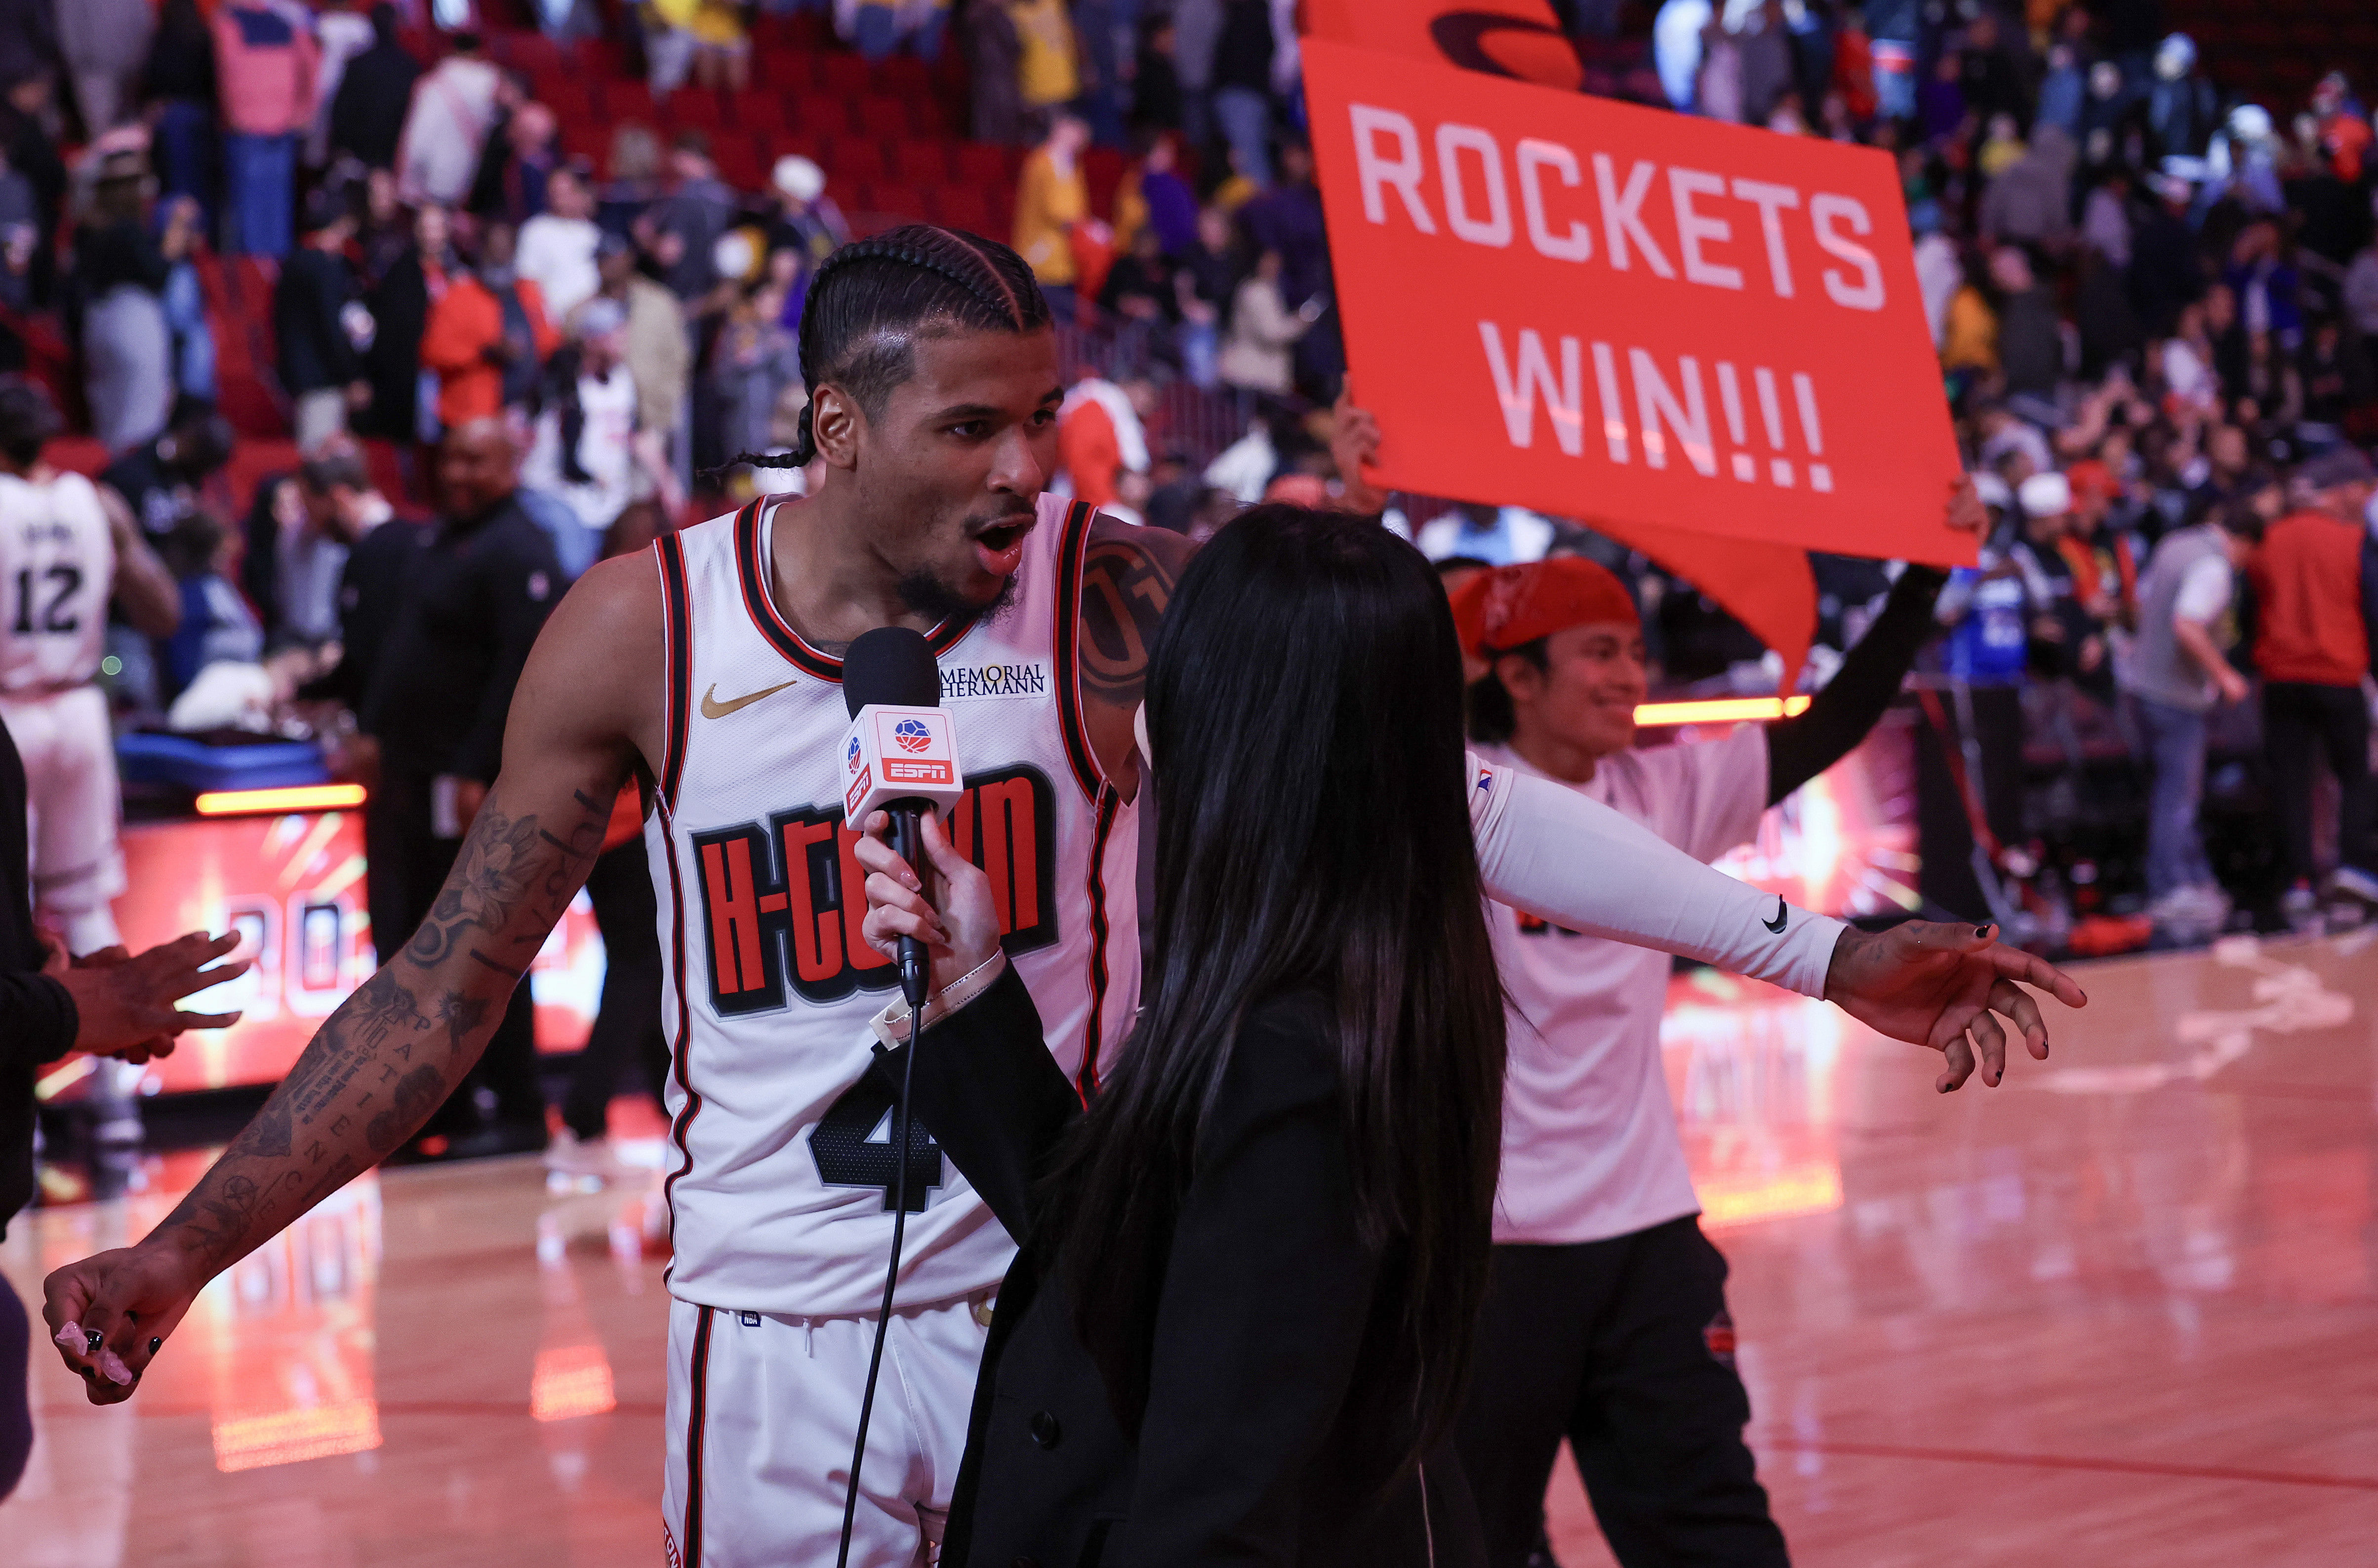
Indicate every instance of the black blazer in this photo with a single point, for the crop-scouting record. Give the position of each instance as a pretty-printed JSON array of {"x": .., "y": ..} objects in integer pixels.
[{"x": 1249, "y": 1452}]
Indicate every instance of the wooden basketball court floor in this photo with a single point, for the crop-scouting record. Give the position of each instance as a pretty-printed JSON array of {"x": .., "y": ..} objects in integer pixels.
[{"x": 2120, "y": 1311}]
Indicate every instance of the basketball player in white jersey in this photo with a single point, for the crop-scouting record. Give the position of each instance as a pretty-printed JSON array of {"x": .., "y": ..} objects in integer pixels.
[
  {"x": 67, "y": 546},
  {"x": 709, "y": 672}
]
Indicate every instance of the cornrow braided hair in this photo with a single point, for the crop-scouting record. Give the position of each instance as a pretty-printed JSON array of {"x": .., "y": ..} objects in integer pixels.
[{"x": 871, "y": 299}]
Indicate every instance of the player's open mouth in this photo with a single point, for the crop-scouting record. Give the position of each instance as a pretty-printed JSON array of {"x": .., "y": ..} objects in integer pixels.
[{"x": 1000, "y": 546}]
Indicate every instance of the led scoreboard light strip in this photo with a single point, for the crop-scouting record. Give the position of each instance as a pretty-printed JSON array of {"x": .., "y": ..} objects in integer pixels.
[
  {"x": 298, "y": 798},
  {"x": 1720, "y": 710}
]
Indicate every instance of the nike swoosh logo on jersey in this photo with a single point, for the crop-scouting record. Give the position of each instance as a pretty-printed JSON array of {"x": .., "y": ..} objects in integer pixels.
[
  {"x": 712, "y": 708},
  {"x": 1782, "y": 913}
]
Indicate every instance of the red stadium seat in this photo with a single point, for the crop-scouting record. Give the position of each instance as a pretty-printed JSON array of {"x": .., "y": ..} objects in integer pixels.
[
  {"x": 570, "y": 96},
  {"x": 1102, "y": 170},
  {"x": 425, "y": 45},
  {"x": 906, "y": 76},
  {"x": 846, "y": 75},
  {"x": 603, "y": 58},
  {"x": 983, "y": 164},
  {"x": 784, "y": 70},
  {"x": 824, "y": 113},
  {"x": 903, "y": 202},
  {"x": 526, "y": 49},
  {"x": 587, "y": 136},
  {"x": 939, "y": 116},
  {"x": 251, "y": 461},
  {"x": 387, "y": 466},
  {"x": 252, "y": 278},
  {"x": 77, "y": 454},
  {"x": 250, "y": 406},
  {"x": 977, "y": 210},
  {"x": 803, "y": 30},
  {"x": 857, "y": 159},
  {"x": 885, "y": 117},
  {"x": 759, "y": 109},
  {"x": 630, "y": 100},
  {"x": 739, "y": 163},
  {"x": 700, "y": 109},
  {"x": 921, "y": 161},
  {"x": 783, "y": 143}
]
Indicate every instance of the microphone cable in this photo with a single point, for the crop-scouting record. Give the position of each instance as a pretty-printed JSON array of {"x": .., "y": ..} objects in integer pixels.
[{"x": 899, "y": 1232}]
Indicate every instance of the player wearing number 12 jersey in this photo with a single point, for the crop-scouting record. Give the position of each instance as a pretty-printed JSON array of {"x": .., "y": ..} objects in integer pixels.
[
  {"x": 58, "y": 567},
  {"x": 708, "y": 672}
]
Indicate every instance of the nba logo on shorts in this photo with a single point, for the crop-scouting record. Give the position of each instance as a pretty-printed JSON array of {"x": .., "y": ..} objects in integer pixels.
[{"x": 911, "y": 734}]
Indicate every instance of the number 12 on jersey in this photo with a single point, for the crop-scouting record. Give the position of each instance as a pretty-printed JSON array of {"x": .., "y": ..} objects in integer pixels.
[{"x": 56, "y": 590}]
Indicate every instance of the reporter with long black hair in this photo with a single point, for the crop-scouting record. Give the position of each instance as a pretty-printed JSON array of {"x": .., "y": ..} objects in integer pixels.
[{"x": 1250, "y": 1269}]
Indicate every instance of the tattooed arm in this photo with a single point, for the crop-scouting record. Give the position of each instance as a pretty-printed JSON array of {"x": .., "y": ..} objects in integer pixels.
[
  {"x": 587, "y": 711},
  {"x": 1128, "y": 575}
]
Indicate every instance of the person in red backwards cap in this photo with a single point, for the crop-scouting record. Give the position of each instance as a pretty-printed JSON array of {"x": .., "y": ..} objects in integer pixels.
[{"x": 1607, "y": 1321}]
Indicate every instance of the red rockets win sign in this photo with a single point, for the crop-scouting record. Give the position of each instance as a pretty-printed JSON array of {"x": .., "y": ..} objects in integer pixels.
[{"x": 1600, "y": 310}]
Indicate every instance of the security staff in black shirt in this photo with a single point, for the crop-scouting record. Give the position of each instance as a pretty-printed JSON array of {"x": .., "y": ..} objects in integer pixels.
[
  {"x": 474, "y": 595},
  {"x": 338, "y": 491}
]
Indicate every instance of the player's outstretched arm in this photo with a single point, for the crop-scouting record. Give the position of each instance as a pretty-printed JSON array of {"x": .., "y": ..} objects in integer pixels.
[
  {"x": 587, "y": 705},
  {"x": 1558, "y": 854}
]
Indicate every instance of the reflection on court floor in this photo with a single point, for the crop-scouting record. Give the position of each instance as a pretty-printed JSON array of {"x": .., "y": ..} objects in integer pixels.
[{"x": 2116, "y": 1313}]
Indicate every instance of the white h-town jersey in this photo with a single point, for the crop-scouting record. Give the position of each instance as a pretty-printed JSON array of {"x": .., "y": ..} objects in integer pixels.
[
  {"x": 58, "y": 567},
  {"x": 781, "y": 1186}
]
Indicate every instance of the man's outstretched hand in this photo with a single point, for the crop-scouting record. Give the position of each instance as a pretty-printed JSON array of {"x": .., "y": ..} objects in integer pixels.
[
  {"x": 124, "y": 1002},
  {"x": 1937, "y": 986}
]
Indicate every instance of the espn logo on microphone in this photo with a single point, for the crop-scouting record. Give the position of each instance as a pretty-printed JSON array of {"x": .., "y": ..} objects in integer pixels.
[
  {"x": 892, "y": 753},
  {"x": 915, "y": 748}
]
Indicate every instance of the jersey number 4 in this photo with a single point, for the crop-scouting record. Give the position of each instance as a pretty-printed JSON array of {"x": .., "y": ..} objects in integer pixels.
[
  {"x": 855, "y": 1144},
  {"x": 67, "y": 581}
]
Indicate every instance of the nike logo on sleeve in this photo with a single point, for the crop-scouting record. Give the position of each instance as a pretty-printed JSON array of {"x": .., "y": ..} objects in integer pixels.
[{"x": 1782, "y": 913}]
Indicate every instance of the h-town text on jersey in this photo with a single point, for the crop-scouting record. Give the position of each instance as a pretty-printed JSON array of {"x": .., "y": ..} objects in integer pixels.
[{"x": 781, "y": 900}]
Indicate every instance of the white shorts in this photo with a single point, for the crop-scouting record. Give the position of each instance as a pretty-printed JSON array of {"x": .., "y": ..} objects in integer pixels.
[
  {"x": 74, "y": 804},
  {"x": 762, "y": 1411}
]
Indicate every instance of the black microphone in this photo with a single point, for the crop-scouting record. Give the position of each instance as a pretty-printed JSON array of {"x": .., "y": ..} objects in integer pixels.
[{"x": 900, "y": 756}]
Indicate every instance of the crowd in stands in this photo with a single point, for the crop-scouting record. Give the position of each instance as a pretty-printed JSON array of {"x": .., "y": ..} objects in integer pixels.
[{"x": 2153, "y": 296}]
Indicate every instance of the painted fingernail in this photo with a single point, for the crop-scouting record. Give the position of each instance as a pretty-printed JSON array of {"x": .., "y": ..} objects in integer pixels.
[
  {"x": 155, "y": 1340},
  {"x": 112, "y": 1365},
  {"x": 91, "y": 1339},
  {"x": 1983, "y": 932},
  {"x": 69, "y": 1338}
]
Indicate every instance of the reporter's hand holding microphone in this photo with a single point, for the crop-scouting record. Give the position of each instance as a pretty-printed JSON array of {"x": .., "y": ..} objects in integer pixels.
[{"x": 956, "y": 920}]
